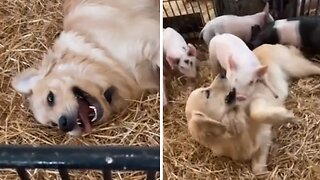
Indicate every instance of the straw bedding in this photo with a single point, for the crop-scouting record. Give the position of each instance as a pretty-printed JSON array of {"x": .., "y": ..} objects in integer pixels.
[
  {"x": 27, "y": 29},
  {"x": 294, "y": 155}
]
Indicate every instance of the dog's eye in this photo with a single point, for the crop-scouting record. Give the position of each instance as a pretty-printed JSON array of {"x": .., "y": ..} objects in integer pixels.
[
  {"x": 54, "y": 124},
  {"x": 50, "y": 99},
  {"x": 207, "y": 94},
  {"x": 223, "y": 74},
  {"x": 250, "y": 83},
  {"x": 178, "y": 61}
]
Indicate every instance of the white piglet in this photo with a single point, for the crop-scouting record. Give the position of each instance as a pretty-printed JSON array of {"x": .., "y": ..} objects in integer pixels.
[
  {"x": 179, "y": 54},
  {"x": 242, "y": 68},
  {"x": 236, "y": 25}
]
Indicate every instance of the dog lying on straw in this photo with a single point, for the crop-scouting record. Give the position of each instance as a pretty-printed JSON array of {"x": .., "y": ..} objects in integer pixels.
[
  {"x": 243, "y": 132},
  {"x": 108, "y": 52}
]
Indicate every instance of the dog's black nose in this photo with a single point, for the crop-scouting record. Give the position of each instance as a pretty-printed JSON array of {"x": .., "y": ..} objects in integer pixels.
[
  {"x": 66, "y": 124},
  {"x": 231, "y": 97}
]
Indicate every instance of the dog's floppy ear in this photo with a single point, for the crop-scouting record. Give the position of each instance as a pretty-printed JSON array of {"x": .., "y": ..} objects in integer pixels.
[
  {"x": 205, "y": 127},
  {"x": 26, "y": 80}
]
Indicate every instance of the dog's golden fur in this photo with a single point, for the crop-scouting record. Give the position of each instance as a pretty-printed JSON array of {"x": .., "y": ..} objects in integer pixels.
[
  {"x": 244, "y": 132},
  {"x": 104, "y": 43}
]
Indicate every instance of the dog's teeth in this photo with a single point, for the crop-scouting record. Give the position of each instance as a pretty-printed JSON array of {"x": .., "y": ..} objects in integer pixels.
[{"x": 95, "y": 114}]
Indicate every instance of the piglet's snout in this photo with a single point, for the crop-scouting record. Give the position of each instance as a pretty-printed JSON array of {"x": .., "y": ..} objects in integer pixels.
[
  {"x": 67, "y": 124},
  {"x": 241, "y": 97}
]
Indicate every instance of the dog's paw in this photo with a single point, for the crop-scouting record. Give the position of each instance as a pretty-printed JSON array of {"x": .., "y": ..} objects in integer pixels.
[
  {"x": 236, "y": 125},
  {"x": 288, "y": 117},
  {"x": 282, "y": 116},
  {"x": 258, "y": 169},
  {"x": 239, "y": 126}
]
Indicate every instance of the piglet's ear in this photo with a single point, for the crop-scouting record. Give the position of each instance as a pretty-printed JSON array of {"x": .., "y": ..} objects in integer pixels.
[
  {"x": 261, "y": 71},
  {"x": 26, "y": 80},
  {"x": 192, "y": 51},
  {"x": 267, "y": 16},
  {"x": 266, "y": 8},
  {"x": 232, "y": 64},
  {"x": 171, "y": 61}
]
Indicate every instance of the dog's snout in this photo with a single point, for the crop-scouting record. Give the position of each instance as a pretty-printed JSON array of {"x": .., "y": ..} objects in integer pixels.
[{"x": 66, "y": 124}]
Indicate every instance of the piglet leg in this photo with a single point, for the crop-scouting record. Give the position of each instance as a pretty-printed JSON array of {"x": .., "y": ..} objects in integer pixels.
[
  {"x": 214, "y": 64},
  {"x": 268, "y": 85},
  {"x": 165, "y": 101}
]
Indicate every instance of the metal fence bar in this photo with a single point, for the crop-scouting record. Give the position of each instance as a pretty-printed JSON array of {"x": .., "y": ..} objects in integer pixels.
[
  {"x": 178, "y": 7},
  {"x": 309, "y": 8},
  {"x": 295, "y": 5},
  {"x": 317, "y": 9},
  {"x": 64, "y": 174},
  {"x": 208, "y": 12},
  {"x": 107, "y": 175},
  {"x": 173, "y": 13},
  {"x": 86, "y": 157},
  {"x": 185, "y": 7},
  {"x": 302, "y": 8},
  {"x": 151, "y": 175},
  {"x": 165, "y": 11},
  {"x": 192, "y": 8},
  {"x": 22, "y": 173}
]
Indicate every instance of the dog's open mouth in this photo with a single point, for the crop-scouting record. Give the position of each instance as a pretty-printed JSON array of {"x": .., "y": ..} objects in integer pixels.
[{"x": 89, "y": 111}]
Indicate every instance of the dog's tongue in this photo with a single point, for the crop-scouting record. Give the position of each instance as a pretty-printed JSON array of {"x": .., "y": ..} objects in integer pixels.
[{"x": 84, "y": 112}]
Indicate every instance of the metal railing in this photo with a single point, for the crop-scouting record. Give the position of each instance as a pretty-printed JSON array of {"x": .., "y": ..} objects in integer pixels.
[
  {"x": 189, "y": 17},
  {"x": 64, "y": 158}
]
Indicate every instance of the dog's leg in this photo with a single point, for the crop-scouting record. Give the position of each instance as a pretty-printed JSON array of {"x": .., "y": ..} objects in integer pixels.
[
  {"x": 235, "y": 122},
  {"x": 298, "y": 66},
  {"x": 264, "y": 112},
  {"x": 147, "y": 76},
  {"x": 259, "y": 159}
]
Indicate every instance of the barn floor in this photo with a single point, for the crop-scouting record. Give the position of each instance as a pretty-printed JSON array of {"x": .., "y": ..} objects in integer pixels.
[
  {"x": 27, "y": 29},
  {"x": 294, "y": 155}
]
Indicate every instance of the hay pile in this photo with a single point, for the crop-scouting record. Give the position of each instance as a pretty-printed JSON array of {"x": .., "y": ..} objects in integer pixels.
[
  {"x": 27, "y": 29},
  {"x": 294, "y": 155}
]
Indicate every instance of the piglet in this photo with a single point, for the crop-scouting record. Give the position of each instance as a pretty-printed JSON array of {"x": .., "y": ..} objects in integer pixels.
[
  {"x": 179, "y": 54},
  {"x": 302, "y": 32},
  {"x": 237, "y": 25},
  {"x": 229, "y": 53}
]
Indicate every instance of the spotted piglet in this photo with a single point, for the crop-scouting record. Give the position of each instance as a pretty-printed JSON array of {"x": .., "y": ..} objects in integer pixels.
[
  {"x": 178, "y": 54},
  {"x": 301, "y": 32}
]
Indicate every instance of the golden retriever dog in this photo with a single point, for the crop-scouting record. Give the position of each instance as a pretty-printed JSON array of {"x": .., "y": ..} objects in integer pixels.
[
  {"x": 243, "y": 132},
  {"x": 107, "y": 53}
]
